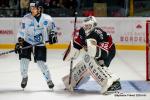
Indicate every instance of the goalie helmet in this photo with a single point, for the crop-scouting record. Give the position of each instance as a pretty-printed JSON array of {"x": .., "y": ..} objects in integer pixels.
[{"x": 89, "y": 23}]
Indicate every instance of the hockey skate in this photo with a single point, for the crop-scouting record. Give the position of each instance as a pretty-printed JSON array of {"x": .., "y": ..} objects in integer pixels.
[
  {"x": 50, "y": 84},
  {"x": 24, "y": 82},
  {"x": 115, "y": 86},
  {"x": 112, "y": 84}
]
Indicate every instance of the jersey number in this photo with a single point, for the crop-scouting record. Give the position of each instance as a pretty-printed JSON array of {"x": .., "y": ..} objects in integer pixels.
[{"x": 104, "y": 46}]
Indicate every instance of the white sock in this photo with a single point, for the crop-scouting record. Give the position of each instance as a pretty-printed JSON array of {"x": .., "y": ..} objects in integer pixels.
[
  {"x": 44, "y": 70},
  {"x": 24, "y": 64}
]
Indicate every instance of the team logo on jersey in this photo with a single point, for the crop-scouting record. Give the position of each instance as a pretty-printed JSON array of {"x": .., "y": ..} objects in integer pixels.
[
  {"x": 45, "y": 22},
  {"x": 38, "y": 38}
]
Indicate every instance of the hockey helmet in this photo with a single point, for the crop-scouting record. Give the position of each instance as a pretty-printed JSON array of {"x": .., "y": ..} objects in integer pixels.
[{"x": 36, "y": 3}]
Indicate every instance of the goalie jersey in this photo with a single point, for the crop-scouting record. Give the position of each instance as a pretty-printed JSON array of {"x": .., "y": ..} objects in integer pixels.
[
  {"x": 104, "y": 40},
  {"x": 33, "y": 31}
]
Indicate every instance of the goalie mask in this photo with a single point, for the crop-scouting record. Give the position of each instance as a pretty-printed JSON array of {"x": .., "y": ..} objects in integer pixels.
[{"x": 89, "y": 23}]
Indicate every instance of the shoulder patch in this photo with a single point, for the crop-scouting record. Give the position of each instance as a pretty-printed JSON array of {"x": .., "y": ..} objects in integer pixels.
[{"x": 45, "y": 22}]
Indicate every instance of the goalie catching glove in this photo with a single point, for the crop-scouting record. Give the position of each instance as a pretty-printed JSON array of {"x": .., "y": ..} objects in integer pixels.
[
  {"x": 19, "y": 45},
  {"x": 53, "y": 37}
]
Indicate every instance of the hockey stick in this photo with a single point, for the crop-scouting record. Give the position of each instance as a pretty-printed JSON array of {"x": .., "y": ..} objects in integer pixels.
[
  {"x": 7, "y": 52},
  {"x": 71, "y": 62}
]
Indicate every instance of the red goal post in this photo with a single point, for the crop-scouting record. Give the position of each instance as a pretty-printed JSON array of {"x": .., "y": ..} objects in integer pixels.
[{"x": 148, "y": 50}]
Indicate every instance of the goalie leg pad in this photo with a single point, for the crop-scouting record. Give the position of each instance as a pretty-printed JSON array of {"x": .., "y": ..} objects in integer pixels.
[
  {"x": 83, "y": 81},
  {"x": 100, "y": 74},
  {"x": 78, "y": 72}
]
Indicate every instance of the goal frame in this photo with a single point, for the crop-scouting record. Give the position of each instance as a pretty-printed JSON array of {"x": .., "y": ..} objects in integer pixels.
[{"x": 147, "y": 50}]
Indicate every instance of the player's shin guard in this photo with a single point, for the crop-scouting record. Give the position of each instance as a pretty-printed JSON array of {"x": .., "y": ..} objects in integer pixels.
[
  {"x": 101, "y": 74},
  {"x": 46, "y": 73},
  {"x": 78, "y": 73}
]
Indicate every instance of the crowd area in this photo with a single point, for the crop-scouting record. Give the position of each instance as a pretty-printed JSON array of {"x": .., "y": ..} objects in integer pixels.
[
  {"x": 17, "y": 8},
  {"x": 65, "y": 8}
]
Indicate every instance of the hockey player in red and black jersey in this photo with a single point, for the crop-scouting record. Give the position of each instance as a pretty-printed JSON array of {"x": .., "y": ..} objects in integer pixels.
[{"x": 100, "y": 49}]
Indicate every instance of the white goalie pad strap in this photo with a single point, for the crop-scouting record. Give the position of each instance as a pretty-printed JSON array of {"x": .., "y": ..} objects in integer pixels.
[
  {"x": 71, "y": 52},
  {"x": 91, "y": 47},
  {"x": 78, "y": 72}
]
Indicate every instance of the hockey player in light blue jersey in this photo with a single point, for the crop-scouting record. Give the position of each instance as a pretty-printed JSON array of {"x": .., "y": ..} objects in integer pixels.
[{"x": 35, "y": 27}]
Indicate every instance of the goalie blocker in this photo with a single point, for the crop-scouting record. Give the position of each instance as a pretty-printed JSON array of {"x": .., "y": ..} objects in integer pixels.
[{"x": 88, "y": 67}]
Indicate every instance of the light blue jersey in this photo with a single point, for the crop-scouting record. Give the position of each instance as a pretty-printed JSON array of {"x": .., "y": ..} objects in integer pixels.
[{"x": 34, "y": 32}]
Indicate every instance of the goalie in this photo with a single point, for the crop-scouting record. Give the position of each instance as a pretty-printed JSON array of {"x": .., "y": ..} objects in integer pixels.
[{"x": 99, "y": 52}]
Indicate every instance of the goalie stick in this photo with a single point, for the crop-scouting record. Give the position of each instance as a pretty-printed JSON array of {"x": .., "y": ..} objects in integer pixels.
[
  {"x": 71, "y": 62},
  {"x": 11, "y": 51}
]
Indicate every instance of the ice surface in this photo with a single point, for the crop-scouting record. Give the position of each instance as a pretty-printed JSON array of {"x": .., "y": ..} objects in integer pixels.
[{"x": 129, "y": 65}]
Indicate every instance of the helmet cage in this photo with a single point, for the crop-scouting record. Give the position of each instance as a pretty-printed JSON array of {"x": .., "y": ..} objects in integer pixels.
[{"x": 89, "y": 23}]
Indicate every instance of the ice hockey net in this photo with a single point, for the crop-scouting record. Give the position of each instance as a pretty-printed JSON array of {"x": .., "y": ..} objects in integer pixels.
[{"x": 148, "y": 50}]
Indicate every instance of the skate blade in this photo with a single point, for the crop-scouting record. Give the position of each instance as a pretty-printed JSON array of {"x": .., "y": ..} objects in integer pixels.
[{"x": 111, "y": 92}]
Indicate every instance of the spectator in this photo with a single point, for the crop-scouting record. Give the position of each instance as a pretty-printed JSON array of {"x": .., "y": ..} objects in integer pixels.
[
  {"x": 24, "y": 5},
  {"x": 4, "y": 3},
  {"x": 14, "y": 4}
]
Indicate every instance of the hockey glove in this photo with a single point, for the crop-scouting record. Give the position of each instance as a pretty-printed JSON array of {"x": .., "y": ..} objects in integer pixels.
[
  {"x": 19, "y": 45},
  {"x": 53, "y": 38}
]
